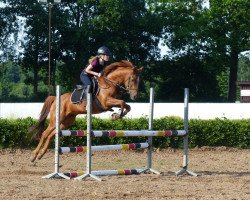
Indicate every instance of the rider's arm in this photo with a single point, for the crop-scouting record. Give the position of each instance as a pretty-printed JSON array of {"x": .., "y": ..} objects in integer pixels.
[{"x": 89, "y": 70}]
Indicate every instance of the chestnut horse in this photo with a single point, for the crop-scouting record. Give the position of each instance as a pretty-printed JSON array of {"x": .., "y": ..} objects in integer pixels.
[{"x": 117, "y": 78}]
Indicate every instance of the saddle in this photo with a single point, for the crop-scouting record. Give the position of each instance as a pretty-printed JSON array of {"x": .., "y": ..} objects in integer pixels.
[{"x": 79, "y": 94}]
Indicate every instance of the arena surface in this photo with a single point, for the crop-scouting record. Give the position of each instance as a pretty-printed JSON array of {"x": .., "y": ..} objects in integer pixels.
[{"x": 224, "y": 175}]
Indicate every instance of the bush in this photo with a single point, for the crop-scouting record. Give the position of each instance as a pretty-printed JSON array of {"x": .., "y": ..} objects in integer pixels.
[
  {"x": 216, "y": 132},
  {"x": 14, "y": 133}
]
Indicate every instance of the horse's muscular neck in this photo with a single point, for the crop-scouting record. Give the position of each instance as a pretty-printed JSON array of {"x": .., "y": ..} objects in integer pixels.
[{"x": 118, "y": 76}]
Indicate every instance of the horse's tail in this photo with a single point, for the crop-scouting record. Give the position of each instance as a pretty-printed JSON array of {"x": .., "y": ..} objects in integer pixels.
[{"x": 39, "y": 127}]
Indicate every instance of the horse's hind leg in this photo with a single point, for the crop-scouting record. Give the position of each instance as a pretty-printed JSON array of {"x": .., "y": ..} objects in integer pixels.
[
  {"x": 46, "y": 144},
  {"x": 68, "y": 121},
  {"x": 42, "y": 139}
]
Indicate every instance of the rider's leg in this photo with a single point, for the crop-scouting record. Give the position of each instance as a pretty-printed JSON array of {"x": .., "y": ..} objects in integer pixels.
[{"x": 86, "y": 80}]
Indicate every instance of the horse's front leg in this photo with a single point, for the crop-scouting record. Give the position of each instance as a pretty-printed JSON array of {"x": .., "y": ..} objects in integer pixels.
[{"x": 125, "y": 108}]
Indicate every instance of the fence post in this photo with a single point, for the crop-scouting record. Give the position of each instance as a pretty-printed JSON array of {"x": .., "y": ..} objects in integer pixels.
[
  {"x": 56, "y": 173},
  {"x": 89, "y": 131},
  {"x": 150, "y": 138},
  {"x": 184, "y": 169}
]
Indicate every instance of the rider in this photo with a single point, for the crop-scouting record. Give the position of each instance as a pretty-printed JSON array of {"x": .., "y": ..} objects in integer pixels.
[{"x": 95, "y": 67}]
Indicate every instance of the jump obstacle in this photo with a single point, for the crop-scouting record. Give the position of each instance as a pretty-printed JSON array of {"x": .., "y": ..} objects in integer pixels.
[{"x": 150, "y": 133}]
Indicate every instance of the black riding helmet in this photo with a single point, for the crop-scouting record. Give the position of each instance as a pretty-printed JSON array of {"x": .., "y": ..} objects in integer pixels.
[{"x": 104, "y": 51}]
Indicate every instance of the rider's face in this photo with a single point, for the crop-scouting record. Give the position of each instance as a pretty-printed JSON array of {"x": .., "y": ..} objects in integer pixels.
[{"x": 105, "y": 58}]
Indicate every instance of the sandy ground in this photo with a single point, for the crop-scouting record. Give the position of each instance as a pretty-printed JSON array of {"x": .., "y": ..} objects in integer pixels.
[{"x": 224, "y": 174}]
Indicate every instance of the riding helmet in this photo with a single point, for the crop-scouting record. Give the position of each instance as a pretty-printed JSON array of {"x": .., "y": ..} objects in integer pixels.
[{"x": 104, "y": 51}]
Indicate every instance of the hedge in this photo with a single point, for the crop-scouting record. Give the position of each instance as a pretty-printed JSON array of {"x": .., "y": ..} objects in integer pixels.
[{"x": 215, "y": 132}]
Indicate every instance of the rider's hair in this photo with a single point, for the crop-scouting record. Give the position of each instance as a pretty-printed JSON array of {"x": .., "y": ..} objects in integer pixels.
[{"x": 92, "y": 58}]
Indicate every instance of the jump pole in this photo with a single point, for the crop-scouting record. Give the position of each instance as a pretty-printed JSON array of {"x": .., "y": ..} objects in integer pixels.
[
  {"x": 184, "y": 169},
  {"x": 56, "y": 173},
  {"x": 89, "y": 129},
  {"x": 150, "y": 138}
]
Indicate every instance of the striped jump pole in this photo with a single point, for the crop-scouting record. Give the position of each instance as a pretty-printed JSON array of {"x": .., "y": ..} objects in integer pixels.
[
  {"x": 79, "y": 149},
  {"x": 138, "y": 133},
  {"x": 184, "y": 169},
  {"x": 56, "y": 173},
  {"x": 124, "y": 133},
  {"x": 79, "y": 133},
  {"x": 106, "y": 172}
]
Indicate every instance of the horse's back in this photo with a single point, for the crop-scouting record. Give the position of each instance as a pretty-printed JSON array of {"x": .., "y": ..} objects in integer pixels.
[{"x": 72, "y": 108}]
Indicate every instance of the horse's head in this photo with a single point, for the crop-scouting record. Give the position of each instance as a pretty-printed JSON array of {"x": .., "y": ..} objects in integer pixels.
[
  {"x": 125, "y": 75},
  {"x": 131, "y": 82}
]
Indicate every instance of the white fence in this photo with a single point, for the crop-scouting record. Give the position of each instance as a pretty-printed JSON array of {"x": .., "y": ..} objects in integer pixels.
[{"x": 196, "y": 110}]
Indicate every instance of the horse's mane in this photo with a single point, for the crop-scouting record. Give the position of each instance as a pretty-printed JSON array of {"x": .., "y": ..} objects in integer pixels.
[{"x": 122, "y": 64}]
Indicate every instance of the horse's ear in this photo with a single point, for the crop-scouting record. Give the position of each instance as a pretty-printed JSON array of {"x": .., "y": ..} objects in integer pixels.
[{"x": 140, "y": 70}]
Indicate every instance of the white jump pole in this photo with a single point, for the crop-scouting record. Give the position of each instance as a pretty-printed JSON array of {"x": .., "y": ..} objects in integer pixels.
[
  {"x": 89, "y": 130},
  {"x": 150, "y": 138},
  {"x": 184, "y": 169},
  {"x": 56, "y": 173}
]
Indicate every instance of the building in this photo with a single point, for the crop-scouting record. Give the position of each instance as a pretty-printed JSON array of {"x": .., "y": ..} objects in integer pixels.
[{"x": 244, "y": 91}]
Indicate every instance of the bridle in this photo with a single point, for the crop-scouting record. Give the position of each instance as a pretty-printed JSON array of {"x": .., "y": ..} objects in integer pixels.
[{"x": 126, "y": 89}]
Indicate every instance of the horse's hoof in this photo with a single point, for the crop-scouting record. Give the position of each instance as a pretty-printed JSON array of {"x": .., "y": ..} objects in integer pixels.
[
  {"x": 39, "y": 157},
  {"x": 33, "y": 159},
  {"x": 115, "y": 116}
]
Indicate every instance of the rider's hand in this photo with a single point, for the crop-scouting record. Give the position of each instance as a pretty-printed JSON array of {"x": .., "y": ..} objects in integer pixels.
[{"x": 99, "y": 74}]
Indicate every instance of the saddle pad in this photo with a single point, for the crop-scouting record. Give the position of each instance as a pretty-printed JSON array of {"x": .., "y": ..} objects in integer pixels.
[{"x": 77, "y": 95}]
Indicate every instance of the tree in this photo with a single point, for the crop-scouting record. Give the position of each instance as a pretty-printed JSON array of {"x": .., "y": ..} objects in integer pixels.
[
  {"x": 33, "y": 39},
  {"x": 189, "y": 62},
  {"x": 8, "y": 33},
  {"x": 230, "y": 31},
  {"x": 79, "y": 28},
  {"x": 214, "y": 36},
  {"x": 12, "y": 87},
  {"x": 128, "y": 28},
  {"x": 244, "y": 68},
  {"x": 132, "y": 31}
]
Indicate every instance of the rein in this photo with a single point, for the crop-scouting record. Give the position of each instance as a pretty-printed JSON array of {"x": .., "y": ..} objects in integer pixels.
[
  {"x": 127, "y": 89},
  {"x": 117, "y": 85}
]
